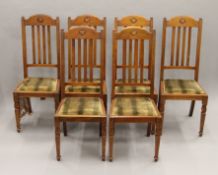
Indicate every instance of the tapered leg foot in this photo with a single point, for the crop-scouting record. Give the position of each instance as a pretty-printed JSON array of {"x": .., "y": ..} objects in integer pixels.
[
  {"x": 203, "y": 115},
  {"x": 111, "y": 140},
  {"x": 57, "y": 138},
  {"x": 17, "y": 111},
  {"x": 158, "y": 133},
  {"x": 103, "y": 131}
]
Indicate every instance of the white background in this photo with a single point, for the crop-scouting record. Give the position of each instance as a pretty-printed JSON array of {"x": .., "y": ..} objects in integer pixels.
[{"x": 32, "y": 151}]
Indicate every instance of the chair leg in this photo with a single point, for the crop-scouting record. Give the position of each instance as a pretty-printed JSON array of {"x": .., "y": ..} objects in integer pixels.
[
  {"x": 161, "y": 107},
  {"x": 103, "y": 131},
  {"x": 100, "y": 129},
  {"x": 57, "y": 139},
  {"x": 57, "y": 100},
  {"x": 192, "y": 108},
  {"x": 203, "y": 115},
  {"x": 17, "y": 110},
  {"x": 158, "y": 133},
  {"x": 29, "y": 106},
  {"x": 149, "y": 130},
  {"x": 65, "y": 128},
  {"x": 42, "y": 98},
  {"x": 111, "y": 140},
  {"x": 105, "y": 101}
]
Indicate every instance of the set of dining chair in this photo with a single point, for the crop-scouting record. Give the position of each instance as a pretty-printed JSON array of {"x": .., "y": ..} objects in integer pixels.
[{"x": 79, "y": 89}]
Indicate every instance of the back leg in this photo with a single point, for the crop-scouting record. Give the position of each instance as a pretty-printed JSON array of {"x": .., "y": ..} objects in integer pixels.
[{"x": 192, "y": 108}]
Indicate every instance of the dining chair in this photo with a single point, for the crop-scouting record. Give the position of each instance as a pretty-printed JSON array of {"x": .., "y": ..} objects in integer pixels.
[
  {"x": 183, "y": 55},
  {"x": 147, "y": 24},
  {"x": 99, "y": 25},
  {"x": 133, "y": 66},
  {"x": 40, "y": 50},
  {"x": 82, "y": 105}
]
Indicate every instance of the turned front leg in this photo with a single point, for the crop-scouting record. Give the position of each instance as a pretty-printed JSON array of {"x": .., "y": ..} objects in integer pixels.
[
  {"x": 158, "y": 133},
  {"x": 203, "y": 115},
  {"x": 17, "y": 110},
  {"x": 57, "y": 138},
  {"x": 103, "y": 131},
  {"x": 111, "y": 140}
]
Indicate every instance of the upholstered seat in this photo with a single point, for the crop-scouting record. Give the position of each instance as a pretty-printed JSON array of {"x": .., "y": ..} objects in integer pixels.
[
  {"x": 179, "y": 86},
  {"x": 78, "y": 89},
  {"x": 129, "y": 89},
  {"x": 81, "y": 106},
  {"x": 38, "y": 85},
  {"x": 134, "y": 106}
]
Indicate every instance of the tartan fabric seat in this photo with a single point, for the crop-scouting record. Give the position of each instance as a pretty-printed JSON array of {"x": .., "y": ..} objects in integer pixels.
[
  {"x": 93, "y": 89},
  {"x": 33, "y": 84},
  {"x": 134, "y": 106},
  {"x": 132, "y": 89},
  {"x": 179, "y": 86},
  {"x": 78, "y": 89},
  {"x": 80, "y": 106},
  {"x": 125, "y": 89}
]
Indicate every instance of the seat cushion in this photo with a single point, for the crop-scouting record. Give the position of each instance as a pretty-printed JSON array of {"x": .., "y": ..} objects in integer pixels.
[
  {"x": 127, "y": 89},
  {"x": 179, "y": 86},
  {"x": 38, "y": 85},
  {"x": 74, "y": 106},
  {"x": 79, "y": 89},
  {"x": 132, "y": 89},
  {"x": 134, "y": 106}
]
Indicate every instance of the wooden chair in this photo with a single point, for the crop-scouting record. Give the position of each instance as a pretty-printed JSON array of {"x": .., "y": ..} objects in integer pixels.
[
  {"x": 98, "y": 25},
  {"x": 83, "y": 70},
  {"x": 134, "y": 21},
  {"x": 138, "y": 106},
  {"x": 147, "y": 24},
  {"x": 186, "y": 31},
  {"x": 38, "y": 55}
]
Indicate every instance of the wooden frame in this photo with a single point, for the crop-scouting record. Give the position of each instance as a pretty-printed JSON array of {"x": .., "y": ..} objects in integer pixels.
[
  {"x": 138, "y": 35},
  {"x": 40, "y": 24},
  {"x": 137, "y": 21},
  {"x": 181, "y": 60},
  {"x": 88, "y": 36},
  {"x": 99, "y": 25}
]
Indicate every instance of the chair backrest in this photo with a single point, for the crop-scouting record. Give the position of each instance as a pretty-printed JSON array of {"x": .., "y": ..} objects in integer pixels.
[
  {"x": 87, "y": 20},
  {"x": 38, "y": 29},
  {"x": 133, "y": 58},
  {"x": 185, "y": 32},
  {"x": 83, "y": 66},
  {"x": 91, "y": 21},
  {"x": 137, "y": 21}
]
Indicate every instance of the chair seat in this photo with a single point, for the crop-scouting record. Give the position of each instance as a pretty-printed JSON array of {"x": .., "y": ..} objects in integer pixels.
[
  {"x": 79, "y": 89},
  {"x": 134, "y": 106},
  {"x": 92, "y": 89},
  {"x": 179, "y": 86},
  {"x": 38, "y": 85},
  {"x": 132, "y": 89},
  {"x": 129, "y": 89},
  {"x": 81, "y": 106}
]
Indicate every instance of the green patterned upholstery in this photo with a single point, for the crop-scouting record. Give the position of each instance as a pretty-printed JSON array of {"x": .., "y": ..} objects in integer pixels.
[
  {"x": 132, "y": 89},
  {"x": 179, "y": 86},
  {"x": 79, "y": 89},
  {"x": 81, "y": 106},
  {"x": 133, "y": 106},
  {"x": 125, "y": 89},
  {"x": 38, "y": 85}
]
